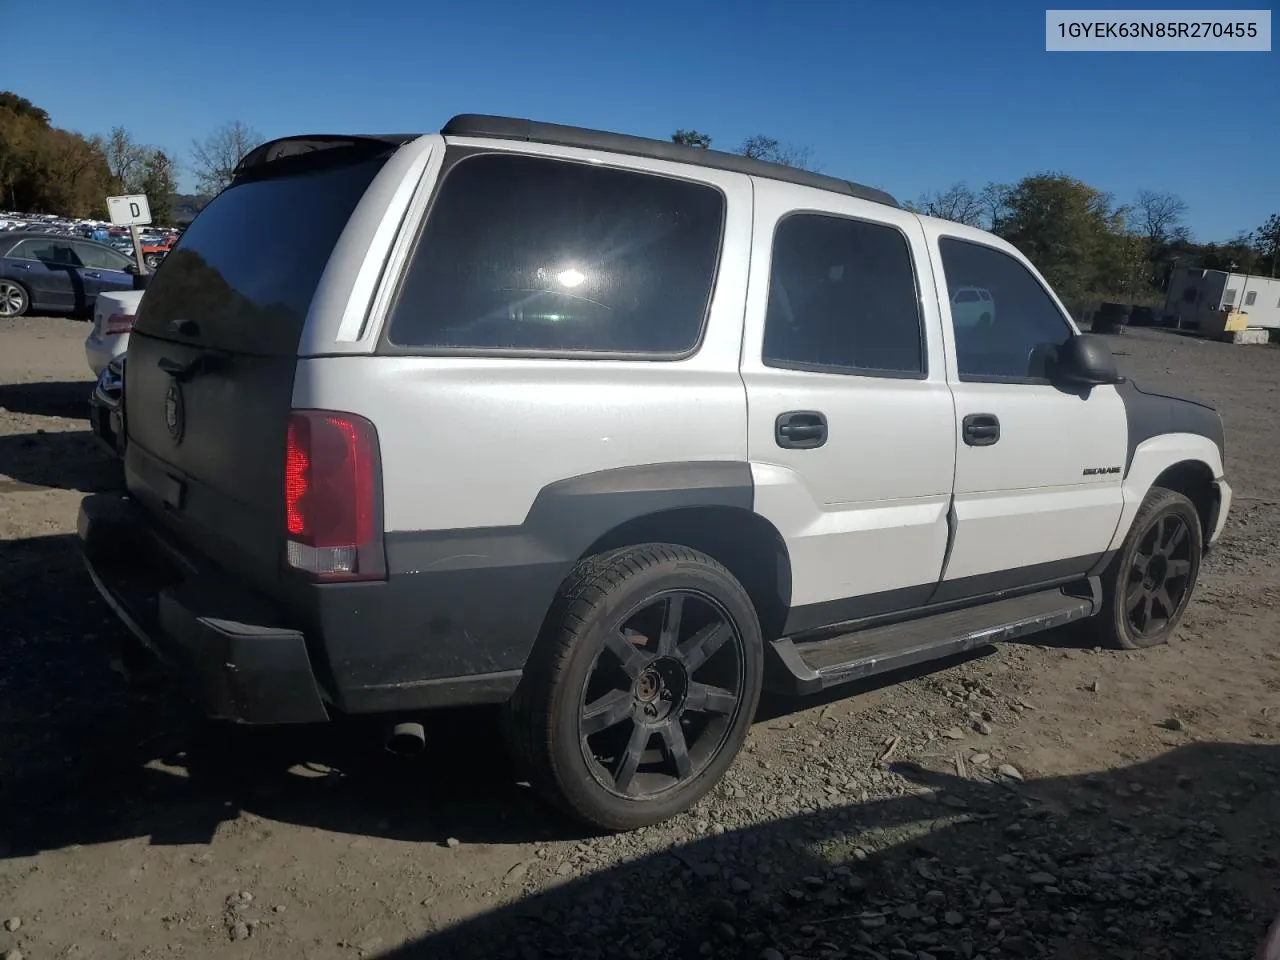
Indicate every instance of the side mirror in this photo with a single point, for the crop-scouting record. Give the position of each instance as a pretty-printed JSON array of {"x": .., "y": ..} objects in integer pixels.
[
  {"x": 131, "y": 268},
  {"x": 1085, "y": 360}
]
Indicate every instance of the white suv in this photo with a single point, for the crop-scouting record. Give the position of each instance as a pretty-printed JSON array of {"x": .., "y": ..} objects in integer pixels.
[
  {"x": 971, "y": 306},
  {"x": 615, "y": 432}
]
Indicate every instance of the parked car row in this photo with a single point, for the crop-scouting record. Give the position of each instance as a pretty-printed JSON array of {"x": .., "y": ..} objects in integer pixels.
[{"x": 156, "y": 241}]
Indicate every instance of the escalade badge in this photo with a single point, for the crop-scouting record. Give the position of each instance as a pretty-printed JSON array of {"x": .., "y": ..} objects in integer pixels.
[{"x": 174, "y": 414}]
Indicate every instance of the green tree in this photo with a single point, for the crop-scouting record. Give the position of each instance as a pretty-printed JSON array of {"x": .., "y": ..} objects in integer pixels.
[
  {"x": 1072, "y": 233},
  {"x": 45, "y": 169},
  {"x": 691, "y": 138},
  {"x": 23, "y": 107},
  {"x": 159, "y": 183},
  {"x": 1267, "y": 241}
]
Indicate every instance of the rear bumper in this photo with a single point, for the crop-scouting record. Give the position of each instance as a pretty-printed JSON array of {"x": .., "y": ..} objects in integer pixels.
[
  {"x": 238, "y": 661},
  {"x": 405, "y": 644}
]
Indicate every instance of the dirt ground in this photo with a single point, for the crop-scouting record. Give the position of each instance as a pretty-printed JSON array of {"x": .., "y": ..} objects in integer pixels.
[{"x": 1045, "y": 799}]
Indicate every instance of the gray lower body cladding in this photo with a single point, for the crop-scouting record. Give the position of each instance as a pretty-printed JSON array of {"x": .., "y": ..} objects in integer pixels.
[{"x": 453, "y": 623}]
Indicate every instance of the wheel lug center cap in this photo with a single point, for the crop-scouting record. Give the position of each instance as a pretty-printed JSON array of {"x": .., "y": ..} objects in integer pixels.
[
  {"x": 648, "y": 686},
  {"x": 1155, "y": 572}
]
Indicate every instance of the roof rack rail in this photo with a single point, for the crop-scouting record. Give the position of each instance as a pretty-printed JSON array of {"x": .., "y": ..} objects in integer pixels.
[{"x": 512, "y": 128}]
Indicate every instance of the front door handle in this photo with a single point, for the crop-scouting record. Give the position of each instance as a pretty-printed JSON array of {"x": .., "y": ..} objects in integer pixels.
[
  {"x": 800, "y": 430},
  {"x": 981, "y": 429}
]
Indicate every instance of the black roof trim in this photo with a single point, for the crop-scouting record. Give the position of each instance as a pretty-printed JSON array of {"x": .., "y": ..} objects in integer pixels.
[
  {"x": 511, "y": 128},
  {"x": 283, "y": 147}
]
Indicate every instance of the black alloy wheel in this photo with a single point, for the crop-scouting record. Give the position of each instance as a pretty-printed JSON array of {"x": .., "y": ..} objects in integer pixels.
[
  {"x": 1149, "y": 584},
  {"x": 662, "y": 693},
  {"x": 641, "y": 687},
  {"x": 1159, "y": 576}
]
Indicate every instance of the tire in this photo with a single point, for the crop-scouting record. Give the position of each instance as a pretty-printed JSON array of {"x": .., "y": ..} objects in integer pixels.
[
  {"x": 151, "y": 260},
  {"x": 1152, "y": 578},
  {"x": 14, "y": 299},
  {"x": 609, "y": 677}
]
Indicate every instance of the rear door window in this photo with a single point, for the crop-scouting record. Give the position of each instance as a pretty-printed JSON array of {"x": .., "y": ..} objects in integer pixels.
[
  {"x": 246, "y": 269},
  {"x": 842, "y": 299},
  {"x": 531, "y": 254}
]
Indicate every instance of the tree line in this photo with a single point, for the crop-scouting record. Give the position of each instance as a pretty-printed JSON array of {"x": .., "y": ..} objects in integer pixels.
[
  {"x": 46, "y": 169},
  {"x": 1088, "y": 246}
]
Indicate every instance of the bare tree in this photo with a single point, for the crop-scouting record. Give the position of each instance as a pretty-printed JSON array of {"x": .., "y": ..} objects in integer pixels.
[
  {"x": 773, "y": 150},
  {"x": 1157, "y": 215},
  {"x": 214, "y": 159},
  {"x": 958, "y": 203},
  {"x": 994, "y": 200},
  {"x": 125, "y": 158}
]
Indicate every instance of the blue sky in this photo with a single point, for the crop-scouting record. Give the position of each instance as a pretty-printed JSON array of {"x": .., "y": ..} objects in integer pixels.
[{"x": 908, "y": 97}]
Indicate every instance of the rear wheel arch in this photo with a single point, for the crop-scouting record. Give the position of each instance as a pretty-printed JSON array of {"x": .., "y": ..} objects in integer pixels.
[{"x": 745, "y": 543}]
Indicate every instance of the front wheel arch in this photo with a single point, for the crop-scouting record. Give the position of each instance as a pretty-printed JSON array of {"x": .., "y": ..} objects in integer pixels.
[{"x": 1194, "y": 480}]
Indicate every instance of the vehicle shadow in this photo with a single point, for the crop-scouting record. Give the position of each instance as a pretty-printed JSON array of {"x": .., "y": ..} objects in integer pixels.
[
  {"x": 42, "y": 398},
  {"x": 68, "y": 719},
  {"x": 1174, "y": 858},
  {"x": 57, "y": 459}
]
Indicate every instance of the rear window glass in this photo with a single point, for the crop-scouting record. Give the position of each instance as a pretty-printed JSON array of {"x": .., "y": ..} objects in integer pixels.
[
  {"x": 246, "y": 269},
  {"x": 527, "y": 253}
]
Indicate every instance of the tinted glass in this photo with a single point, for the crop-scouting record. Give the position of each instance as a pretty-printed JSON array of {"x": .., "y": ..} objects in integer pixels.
[
  {"x": 56, "y": 252},
  {"x": 101, "y": 258},
  {"x": 1017, "y": 328},
  {"x": 246, "y": 269},
  {"x": 966, "y": 296},
  {"x": 842, "y": 296},
  {"x": 528, "y": 253}
]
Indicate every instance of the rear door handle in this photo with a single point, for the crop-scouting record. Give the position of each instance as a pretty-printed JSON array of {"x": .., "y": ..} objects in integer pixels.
[
  {"x": 800, "y": 430},
  {"x": 981, "y": 429}
]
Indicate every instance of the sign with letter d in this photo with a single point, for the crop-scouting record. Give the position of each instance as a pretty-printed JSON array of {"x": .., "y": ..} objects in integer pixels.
[{"x": 129, "y": 211}]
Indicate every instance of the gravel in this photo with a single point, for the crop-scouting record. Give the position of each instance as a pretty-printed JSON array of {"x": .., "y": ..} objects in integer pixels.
[{"x": 1000, "y": 873}]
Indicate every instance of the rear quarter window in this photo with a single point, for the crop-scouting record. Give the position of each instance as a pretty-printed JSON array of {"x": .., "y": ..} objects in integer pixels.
[{"x": 535, "y": 255}]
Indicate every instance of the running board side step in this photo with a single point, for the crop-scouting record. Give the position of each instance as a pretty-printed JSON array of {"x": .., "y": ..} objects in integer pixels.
[{"x": 807, "y": 667}]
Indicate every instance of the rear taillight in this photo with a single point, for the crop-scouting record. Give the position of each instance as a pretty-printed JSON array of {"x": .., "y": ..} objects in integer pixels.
[
  {"x": 332, "y": 495},
  {"x": 118, "y": 323}
]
